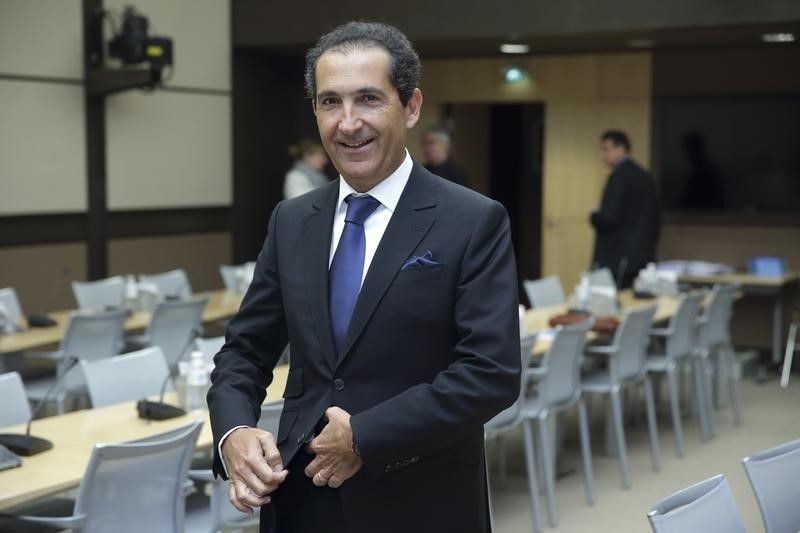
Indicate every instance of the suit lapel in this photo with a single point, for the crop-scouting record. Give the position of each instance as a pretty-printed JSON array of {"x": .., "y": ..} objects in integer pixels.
[
  {"x": 317, "y": 230},
  {"x": 407, "y": 227}
]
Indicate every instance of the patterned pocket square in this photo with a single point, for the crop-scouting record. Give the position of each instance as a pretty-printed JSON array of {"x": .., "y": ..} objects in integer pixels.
[{"x": 416, "y": 261}]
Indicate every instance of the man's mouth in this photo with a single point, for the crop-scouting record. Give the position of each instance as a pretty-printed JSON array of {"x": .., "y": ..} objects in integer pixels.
[{"x": 356, "y": 144}]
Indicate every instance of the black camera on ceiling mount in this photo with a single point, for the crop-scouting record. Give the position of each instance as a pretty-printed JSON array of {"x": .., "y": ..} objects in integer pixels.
[{"x": 132, "y": 45}]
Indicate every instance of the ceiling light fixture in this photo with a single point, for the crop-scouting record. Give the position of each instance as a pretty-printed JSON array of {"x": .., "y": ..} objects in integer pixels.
[
  {"x": 515, "y": 48},
  {"x": 778, "y": 37},
  {"x": 514, "y": 75}
]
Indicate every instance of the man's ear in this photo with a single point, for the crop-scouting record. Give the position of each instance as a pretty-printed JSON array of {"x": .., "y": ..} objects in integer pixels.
[
  {"x": 314, "y": 106},
  {"x": 413, "y": 108}
]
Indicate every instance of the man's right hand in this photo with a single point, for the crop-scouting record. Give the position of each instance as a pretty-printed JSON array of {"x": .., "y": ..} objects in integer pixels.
[{"x": 254, "y": 468}]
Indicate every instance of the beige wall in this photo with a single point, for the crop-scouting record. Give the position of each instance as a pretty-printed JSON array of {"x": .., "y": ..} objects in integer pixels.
[
  {"x": 582, "y": 95},
  {"x": 41, "y": 274},
  {"x": 199, "y": 254}
]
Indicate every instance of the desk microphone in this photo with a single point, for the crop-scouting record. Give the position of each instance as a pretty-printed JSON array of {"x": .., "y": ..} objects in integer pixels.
[
  {"x": 159, "y": 410},
  {"x": 26, "y": 445}
]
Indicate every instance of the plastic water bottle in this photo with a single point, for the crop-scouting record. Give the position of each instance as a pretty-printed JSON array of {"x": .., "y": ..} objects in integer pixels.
[
  {"x": 131, "y": 294},
  {"x": 196, "y": 382}
]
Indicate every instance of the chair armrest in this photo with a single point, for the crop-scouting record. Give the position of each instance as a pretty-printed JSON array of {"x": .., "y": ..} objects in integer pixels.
[
  {"x": 61, "y": 522},
  {"x": 662, "y": 332},
  {"x": 535, "y": 373},
  {"x": 205, "y": 475},
  {"x": 608, "y": 350},
  {"x": 46, "y": 356}
]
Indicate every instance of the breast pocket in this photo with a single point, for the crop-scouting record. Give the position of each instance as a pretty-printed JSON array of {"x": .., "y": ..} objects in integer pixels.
[{"x": 420, "y": 274}]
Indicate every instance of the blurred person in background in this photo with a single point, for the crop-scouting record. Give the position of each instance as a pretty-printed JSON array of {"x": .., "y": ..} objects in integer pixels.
[
  {"x": 628, "y": 221},
  {"x": 307, "y": 173},
  {"x": 436, "y": 148}
]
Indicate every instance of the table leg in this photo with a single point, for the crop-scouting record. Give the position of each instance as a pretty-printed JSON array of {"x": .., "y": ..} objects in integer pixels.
[{"x": 777, "y": 328}]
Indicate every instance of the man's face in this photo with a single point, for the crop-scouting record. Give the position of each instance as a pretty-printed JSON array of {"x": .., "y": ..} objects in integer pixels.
[
  {"x": 434, "y": 149},
  {"x": 611, "y": 153},
  {"x": 362, "y": 123}
]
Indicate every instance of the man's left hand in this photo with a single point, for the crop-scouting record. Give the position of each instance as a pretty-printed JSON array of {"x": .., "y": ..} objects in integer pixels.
[{"x": 336, "y": 460}]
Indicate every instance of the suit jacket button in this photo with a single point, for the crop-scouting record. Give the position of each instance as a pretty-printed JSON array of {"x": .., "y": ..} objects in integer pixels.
[
  {"x": 300, "y": 438},
  {"x": 338, "y": 384},
  {"x": 388, "y": 468}
]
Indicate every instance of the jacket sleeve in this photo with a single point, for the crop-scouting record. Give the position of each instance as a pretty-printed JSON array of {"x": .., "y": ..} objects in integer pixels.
[
  {"x": 483, "y": 380},
  {"x": 255, "y": 339},
  {"x": 610, "y": 212}
]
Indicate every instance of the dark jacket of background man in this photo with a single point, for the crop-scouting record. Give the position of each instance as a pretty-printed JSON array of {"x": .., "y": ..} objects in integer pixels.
[{"x": 627, "y": 223}]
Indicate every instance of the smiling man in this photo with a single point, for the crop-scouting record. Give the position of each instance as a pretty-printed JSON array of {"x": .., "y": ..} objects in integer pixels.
[{"x": 397, "y": 292}]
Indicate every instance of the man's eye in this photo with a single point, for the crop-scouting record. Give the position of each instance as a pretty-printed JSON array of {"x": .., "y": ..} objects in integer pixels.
[
  {"x": 328, "y": 101},
  {"x": 369, "y": 98}
]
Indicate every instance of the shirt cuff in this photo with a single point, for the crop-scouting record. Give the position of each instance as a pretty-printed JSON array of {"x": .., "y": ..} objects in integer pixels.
[{"x": 219, "y": 448}]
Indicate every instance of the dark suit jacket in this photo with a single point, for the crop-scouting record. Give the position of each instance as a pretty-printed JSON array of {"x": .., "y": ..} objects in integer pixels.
[
  {"x": 628, "y": 221},
  {"x": 431, "y": 354}
]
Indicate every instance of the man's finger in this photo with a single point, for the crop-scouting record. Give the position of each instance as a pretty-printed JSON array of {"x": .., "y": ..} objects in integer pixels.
[
  {"x": 248, "y": 497},
  {"x": 335, "y": 481},
  {"x": 320, "y": 479},
  {"x": 270, "y": 451},
  {"x": 235, "y": 501}
]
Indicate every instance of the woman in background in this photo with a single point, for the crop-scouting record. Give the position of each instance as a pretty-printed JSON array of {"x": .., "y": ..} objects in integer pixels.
[{"x": 306, "y": 174}]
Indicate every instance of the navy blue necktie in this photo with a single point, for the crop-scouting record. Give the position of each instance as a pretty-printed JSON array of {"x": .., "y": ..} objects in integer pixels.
[{"x": 347, "y": 266}]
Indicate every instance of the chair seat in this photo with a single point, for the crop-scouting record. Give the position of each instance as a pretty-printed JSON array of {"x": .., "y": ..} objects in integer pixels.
[
  {"x": 532, "y": 407},
  {"x": 598, "y": 382},
  {"x": 658, "y": 363}
]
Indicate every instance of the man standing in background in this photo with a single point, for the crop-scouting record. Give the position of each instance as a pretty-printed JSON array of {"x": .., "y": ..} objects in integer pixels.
[
  {"x": 628, "y": 221},
  {"x": 436, "y": 149}
]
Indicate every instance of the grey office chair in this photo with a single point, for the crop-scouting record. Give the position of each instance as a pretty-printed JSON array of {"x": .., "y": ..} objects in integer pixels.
[
  {"x": 100, "y": 294},
  {"x": 602, "y": 277},
  {"x": 220, "y": 513},
  {"x": 209, "y": 347},
  {"x": 132, "y": 376},
  {"x": 10, "y": 310},
  {"x": 792, "y": 345},
  {"x": 173, "y": 325},
  {"x": 707, "y": 506},
  {"x": 558, "y": 386},
  {"x": 678, "y": 346},
  {"x": 714, "y": 339},
  {"x": 774, "y": 476},
  {"x": 230, "y": 275},
  {"x": 132, "y": 487},
  {"x": 626, "y": 367},
  {"x": 88, "y": 337},
  {"x": 170, "y": 284},
  {"x": 16, "y": 409},
  {"x": 508, "y": 420},
  {"x": 544, "y": 292}
]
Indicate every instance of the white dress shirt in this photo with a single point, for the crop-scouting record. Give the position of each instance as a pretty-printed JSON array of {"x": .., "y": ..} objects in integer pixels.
[{"x": 388, "y": 193}]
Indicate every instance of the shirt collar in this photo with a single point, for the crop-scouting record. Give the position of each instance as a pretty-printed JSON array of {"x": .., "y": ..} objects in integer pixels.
[{"x": 387, "y": 192}]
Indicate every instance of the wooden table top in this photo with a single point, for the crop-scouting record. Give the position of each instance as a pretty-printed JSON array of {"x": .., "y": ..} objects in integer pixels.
[
  {"x": 744, "y": 279},
  {"x": 75, "y": 434},
  {"x": 537, "y": 319},
  {"x": 221, "y": 304}
]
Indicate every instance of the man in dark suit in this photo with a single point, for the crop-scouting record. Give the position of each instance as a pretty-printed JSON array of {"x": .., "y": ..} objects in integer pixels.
[
  {"x": 628, "y": 221},
  {"x": 437, "y": 147},
  {"x": 397, "y": 292}
]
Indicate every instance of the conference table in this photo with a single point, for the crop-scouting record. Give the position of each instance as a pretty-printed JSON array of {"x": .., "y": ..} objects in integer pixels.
[
  {"x": 221, "y": 304},
  {"x": 75, "y": 434},
  {"x": 772, "y": 286}
]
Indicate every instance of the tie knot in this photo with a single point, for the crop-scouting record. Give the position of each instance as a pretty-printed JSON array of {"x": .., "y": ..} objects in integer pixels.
[{"x": 359, "y": 208}]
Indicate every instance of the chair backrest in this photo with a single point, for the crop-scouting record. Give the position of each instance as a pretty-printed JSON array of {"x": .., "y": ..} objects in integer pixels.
[
  {"x": 9, "y": 305},
  {"x": 562, "y": 383},
  {"x": 229, "y": 275},
  {"x": 714, "y": 328},
  {"x": 210, "y": 347},
  {"x": 125, "y": 377},
  {"x": 707, "y": 506},
  {"x": 631, "y": 339},
  {"x": 91, "y": 337},
  {"x": 173, "y": 325},
  {"x": 774, "y": 476},
  {"x": 683, "y": 325},
  {"x": 16, "y": 409},
  {"x": 100, "y": 294},
  {"x": 544, "y": 291},
  {"x": 512, "y": 416},
  {"x": 171, "y": 284},
  {"x": 602, "y": 277},
  {"x": 137, "y": 486}
]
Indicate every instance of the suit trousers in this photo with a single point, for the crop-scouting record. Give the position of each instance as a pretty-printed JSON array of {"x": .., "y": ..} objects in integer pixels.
[{"x": 299, "y": 506}]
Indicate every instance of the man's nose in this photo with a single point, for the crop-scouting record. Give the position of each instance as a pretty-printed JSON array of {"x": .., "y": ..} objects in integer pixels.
[{"x": 350, "y": 121}]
